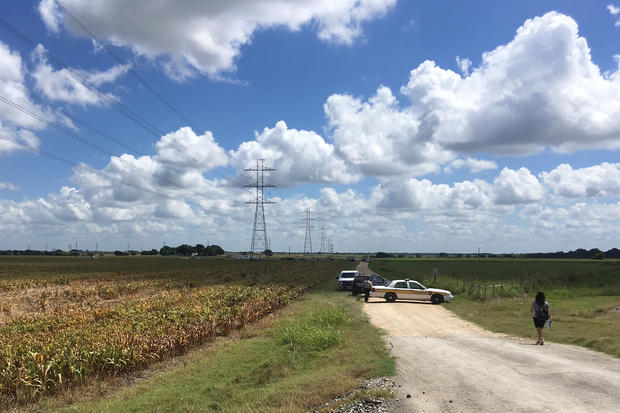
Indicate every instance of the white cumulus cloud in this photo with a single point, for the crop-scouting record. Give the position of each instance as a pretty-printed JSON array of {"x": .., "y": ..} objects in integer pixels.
[
  {"x": 614, "y": 11},
  {"x": 299, "y": 156},
  {"x": 15, "y": 123},
  {"x": 207, "y": 36},
  {"x": 379, "y": 138},
  {"x": 7, "y": 185},
  {"x": 595, "y": 181},
  {"x": 474, "y": 165},
  {"x": 463, "y": 64},
  {"x": 516, "y": 187},
  {"x": 65, "y": 85},
  {"x": 540, "y": 90}
]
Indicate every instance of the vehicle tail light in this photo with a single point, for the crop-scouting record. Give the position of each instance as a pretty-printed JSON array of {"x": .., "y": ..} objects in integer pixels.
[{"x": 372, "y": 289}]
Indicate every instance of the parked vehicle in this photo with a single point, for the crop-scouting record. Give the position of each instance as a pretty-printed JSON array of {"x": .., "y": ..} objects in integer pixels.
[
  {"x": 357, "y": 287},
  {"x": 345, "y": 279},
  {"x": 411, "y": 290}
]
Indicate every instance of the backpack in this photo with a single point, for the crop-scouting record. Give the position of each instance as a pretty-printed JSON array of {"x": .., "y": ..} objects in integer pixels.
[{"x": 541, "y": 311}]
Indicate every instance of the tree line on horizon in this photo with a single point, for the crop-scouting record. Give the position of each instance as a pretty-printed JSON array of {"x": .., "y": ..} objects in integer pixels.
[
  {"x": 216, "y": 250},
  {"x": 594, "y": 254},
  {"x": 183, "y": 249}
]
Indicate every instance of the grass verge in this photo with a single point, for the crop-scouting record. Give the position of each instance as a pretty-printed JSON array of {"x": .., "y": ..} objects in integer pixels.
[
  {"x": 317, "y": 351},
  {"x": 584, "y": 295},
  {"x": 591, "y": 322}
]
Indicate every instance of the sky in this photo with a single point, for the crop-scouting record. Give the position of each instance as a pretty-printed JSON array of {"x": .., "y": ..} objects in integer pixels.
[{"x": 403, "y": 126}]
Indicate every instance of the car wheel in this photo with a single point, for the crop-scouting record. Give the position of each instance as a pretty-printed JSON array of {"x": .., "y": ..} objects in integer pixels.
[
  {"x": 390, "y": 297},
  {"x": 437, "y": 299}
]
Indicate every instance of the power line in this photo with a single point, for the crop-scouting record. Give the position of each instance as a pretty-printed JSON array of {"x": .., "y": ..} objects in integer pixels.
[
  {"x": 72, "y": 134},
  {"x": 58, "y": 64},
  {"x": 131, "y": 70},
  {"x": 69, "y": 116},
  {"x": 76, "y": 165}
]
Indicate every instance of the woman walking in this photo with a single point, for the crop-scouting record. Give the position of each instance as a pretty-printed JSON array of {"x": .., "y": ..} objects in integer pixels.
[{"x": 540, "y": 312}]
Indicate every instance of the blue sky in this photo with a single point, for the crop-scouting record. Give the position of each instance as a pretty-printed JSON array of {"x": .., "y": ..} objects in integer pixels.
[{"x": 364, "y": 109}]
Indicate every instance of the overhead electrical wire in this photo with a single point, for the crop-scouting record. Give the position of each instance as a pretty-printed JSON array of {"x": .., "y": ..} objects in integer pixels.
[
  {"x": 58, "y": 64},
  {"x": 72, "y": 134},
  {"x": 131, "y": 70},
  {"x": 70, "y": 116},
  {"x": 78, "y": 165}
]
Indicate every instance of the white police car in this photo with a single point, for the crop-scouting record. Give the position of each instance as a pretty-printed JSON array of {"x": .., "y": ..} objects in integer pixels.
[{"x": 410, "y": 290}]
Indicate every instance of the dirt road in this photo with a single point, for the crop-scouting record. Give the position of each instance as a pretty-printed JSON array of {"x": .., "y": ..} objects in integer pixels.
[{"x": 449, "y": 365}]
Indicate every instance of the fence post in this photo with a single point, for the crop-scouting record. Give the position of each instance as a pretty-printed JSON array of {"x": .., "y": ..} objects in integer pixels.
[
  {"x": 485, "y": 291},
  {"x": 493, "y": 290}
]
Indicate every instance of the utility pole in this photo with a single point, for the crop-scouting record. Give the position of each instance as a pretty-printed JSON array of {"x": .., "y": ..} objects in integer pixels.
[
  {"x": 259, "y": 230},
  {"x": 308, "y": 239}
]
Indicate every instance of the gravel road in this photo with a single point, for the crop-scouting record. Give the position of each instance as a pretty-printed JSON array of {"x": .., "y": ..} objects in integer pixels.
[{"x": 447, "y": 364}]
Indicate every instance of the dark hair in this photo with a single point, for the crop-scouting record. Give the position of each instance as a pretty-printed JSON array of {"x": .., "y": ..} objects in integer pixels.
[{"x": 540, "y": 298}]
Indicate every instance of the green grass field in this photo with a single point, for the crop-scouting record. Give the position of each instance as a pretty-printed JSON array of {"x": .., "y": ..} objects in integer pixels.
[
  {"x": 584, "y": 295},
  {"x": 65, "y": 320},
  {"x": 74, "y": 330},
  {"x": 295, "y": 363}
]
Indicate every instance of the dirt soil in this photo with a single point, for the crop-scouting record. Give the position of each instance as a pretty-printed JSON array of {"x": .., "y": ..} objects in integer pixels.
[{"x": 447, "y": 364}]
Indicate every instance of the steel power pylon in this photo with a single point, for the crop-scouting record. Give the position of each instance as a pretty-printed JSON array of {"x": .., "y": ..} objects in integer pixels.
[
  {"x": 308, "y": 239},
  {"x": 323, "y": 241},
  {"x": 259, "y": 232}
]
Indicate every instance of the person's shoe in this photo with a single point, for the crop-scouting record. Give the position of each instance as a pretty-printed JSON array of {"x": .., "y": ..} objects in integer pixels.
[
  {"x": 542, "y": 342},
  {"x": 537, "y": 343}
]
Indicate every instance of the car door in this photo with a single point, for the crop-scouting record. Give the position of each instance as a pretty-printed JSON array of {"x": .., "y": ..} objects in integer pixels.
[
  {"x": 417, "y": 292},
  {"x": 402, "y": 290}
]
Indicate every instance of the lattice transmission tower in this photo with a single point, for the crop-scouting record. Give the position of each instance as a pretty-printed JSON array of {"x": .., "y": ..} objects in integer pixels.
[
  {"x": 308, "y": 239},
  {"x": 323, "y": 241},
  {"x": 260, "y": 242}
]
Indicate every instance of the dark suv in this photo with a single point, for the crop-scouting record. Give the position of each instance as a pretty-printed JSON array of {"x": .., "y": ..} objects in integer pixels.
[{"x": 358, "y": 282}]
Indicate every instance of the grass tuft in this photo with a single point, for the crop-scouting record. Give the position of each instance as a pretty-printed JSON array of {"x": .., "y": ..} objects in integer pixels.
[{"x": 316, "y": 333}]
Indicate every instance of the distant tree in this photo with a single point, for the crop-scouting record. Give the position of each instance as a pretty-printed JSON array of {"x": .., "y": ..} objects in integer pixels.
[
  {"x": 613, "y": 253},
  {"x": 166, "y": 250},
  {"x": 200, "y": 249},
  {"x": 184, "y": 249},
  {"x": 599, "y": 256},
  {"x": 268, "y": 252},
  {"x": 384, "y": 255},
  {"x": 213, "y": 250}
]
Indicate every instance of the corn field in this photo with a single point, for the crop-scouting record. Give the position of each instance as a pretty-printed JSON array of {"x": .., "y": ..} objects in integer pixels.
[{"x": 56, "y": 332}]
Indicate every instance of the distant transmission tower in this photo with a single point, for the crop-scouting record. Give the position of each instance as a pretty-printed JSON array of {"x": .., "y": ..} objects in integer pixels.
[
  {"x": 308, "y": 239},
  {"x": 259, "y": 232},
  {"x": 323, "y": 241}
]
